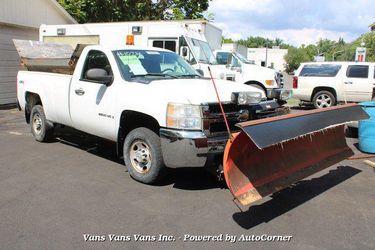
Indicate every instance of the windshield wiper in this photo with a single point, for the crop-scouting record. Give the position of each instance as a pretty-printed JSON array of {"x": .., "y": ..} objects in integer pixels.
[
  {"x": 190, "y": 75},
  {"x": 154, "y": 74}
]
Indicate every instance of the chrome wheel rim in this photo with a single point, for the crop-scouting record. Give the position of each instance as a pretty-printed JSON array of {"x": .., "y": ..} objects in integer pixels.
[
  {"x": 140, "y": 156},
  {"x": 37, "y": 124},
  {"x": 323, "y": 101}
]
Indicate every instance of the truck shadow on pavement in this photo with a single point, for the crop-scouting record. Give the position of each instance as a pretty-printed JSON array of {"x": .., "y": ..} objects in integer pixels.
[
  {"x": 184, "y": 178},
  {"x": 292, "y": 197}
]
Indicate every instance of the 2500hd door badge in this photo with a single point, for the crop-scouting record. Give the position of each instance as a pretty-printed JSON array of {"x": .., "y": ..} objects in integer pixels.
[{"x": 105, "y": 115}]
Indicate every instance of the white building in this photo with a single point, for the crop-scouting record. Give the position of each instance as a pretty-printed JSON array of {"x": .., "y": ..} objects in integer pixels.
[
  {"x": 20, "y": 19},
  {"x": 273, "y": 58}
]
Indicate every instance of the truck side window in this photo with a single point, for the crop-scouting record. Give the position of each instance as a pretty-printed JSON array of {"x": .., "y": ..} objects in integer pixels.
[
  {"x": 322, "y": 70},
  {"x": 357, "y": 71},
  {"x": 165, "y": 44},
  {"x": 96, "y": 59}
]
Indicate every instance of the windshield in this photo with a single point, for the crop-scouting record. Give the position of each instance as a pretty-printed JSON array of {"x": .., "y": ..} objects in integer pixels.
[
  {"x": 203, "y": 51},
  {"x": 152, "y": 64},
  {"x": 242, "y": 59}
]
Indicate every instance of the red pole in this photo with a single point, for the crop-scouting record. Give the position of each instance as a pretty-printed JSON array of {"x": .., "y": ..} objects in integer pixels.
[{"x": 221, "y": 106}]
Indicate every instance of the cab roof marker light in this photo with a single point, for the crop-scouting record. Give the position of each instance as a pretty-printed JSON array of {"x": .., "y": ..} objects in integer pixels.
[{"x": 130, "y": 40}]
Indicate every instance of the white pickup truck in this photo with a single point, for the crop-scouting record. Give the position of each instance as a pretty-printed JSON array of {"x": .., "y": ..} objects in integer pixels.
[
  {"x": 150, "y": 101},
  {"x": 325, "y": 84}
]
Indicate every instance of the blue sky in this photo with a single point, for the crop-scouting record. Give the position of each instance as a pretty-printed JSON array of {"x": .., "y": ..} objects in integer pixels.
[{"x": 294, "y": 21}]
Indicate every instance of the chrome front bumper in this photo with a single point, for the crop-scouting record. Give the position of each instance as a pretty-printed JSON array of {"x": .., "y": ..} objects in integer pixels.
[
  {"x": 189, "y": 148},
  {"x": 274, "y": 93}
]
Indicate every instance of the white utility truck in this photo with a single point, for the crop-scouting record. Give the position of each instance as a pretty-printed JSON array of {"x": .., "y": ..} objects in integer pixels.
[
  {"x": 150, "y": 101},
  {"x": 244, "y": 71},
  {"x": 186, "y": 38},
  {"x": 194, "y": 40}
]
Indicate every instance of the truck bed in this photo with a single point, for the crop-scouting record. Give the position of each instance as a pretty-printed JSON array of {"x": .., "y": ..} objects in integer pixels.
[{"x": 52, "y": 88}]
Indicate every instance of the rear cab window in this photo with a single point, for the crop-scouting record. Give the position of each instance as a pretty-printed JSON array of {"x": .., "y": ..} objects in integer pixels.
[
  {"x": 320, "y": 70},
  {"x": 357, "y": 71}
]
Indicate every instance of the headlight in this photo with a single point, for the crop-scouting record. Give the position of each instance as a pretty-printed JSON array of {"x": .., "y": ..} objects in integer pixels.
[
  {"x": 184, "y": 116},
  {"x": 243, "y": 98},
  {"x": 286, "y": 94}
]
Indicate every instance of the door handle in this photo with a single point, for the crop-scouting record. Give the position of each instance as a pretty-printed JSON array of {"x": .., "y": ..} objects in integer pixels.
[
  {"x": 348, "y": 82},
  {"x": 80, "y": 91}
]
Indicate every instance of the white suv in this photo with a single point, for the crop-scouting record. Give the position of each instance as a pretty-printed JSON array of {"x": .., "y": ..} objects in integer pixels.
[{"x": 325, "y": 84}]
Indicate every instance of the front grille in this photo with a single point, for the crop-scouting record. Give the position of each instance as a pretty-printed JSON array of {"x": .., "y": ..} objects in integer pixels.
[
  {"x": 228, "y": 107},
  {"x": 213, "y": 121},
  {"x": 220, "y": 127}
]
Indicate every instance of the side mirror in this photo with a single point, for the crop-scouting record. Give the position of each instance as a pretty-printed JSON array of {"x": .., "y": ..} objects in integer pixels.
[
  {"x": 200, "y": 72},
  {"x": 184, "y": 52},
  {"x": 99, "y": 75}
]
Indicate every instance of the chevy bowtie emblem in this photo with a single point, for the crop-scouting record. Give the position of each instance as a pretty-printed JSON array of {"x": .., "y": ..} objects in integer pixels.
[{"x": 243, "y": 115}]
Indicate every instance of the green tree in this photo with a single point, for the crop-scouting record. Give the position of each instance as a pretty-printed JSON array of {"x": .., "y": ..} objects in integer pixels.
[
  {"x": 133, "y": 10},
  {"x": 226, "y": 40},
  {"x": 295, "y": 57},
  {"x": 261, "y": 42}
]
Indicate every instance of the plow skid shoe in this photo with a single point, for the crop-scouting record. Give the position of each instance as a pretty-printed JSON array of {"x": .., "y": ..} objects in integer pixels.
[{"x": 273, "y": 153}]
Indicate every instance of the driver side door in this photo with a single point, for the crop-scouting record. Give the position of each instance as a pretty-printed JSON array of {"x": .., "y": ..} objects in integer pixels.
[{"x": 92, "y": 103}]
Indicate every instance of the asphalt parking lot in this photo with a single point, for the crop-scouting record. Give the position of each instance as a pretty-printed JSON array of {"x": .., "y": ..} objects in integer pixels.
[{"x": 53, "y": 194}]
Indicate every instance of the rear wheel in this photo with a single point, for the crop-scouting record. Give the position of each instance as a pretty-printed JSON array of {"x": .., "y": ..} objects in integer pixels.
[
  {"x": 143, "y": 156},
  {"x": 41, "y": 128},
  {"x": 324, "y": 99}
]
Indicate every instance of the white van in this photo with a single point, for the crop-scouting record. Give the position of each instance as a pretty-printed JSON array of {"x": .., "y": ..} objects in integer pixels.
[{"x": 326, "y": 83}]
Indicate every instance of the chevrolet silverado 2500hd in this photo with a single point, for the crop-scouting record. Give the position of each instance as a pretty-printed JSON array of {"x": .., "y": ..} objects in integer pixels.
[{"x": 150, "y": 101}]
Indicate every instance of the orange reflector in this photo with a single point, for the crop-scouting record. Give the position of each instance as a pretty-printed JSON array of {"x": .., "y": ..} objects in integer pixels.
[
  {"x": 129, "y": 40},
  {"x": 269, "y": 82}
]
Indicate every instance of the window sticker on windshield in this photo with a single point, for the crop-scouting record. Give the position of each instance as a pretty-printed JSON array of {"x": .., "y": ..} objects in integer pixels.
[
  {"x": 130, "y": 57},
  {"x": 132, "y": 60}
]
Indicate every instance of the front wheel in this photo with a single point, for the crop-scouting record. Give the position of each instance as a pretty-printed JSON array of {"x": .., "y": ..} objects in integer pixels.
[
  {"x": 324, "y": 99},
  {"x": 143, "y": 156}
]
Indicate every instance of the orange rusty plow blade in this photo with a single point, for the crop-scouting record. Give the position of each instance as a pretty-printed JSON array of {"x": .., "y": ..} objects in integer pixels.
[{"x": 273, "y": 153}]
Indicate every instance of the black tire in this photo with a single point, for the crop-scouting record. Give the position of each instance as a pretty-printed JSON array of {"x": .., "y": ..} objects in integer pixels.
[
  {"x": 41, "y": 128},
  {"x": 324, "y": 99},
  {"x": 143, "y": 156}
]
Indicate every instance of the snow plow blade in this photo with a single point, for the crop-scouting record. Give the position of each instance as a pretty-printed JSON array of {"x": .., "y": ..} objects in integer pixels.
[{"x": 270, "y": 154}]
